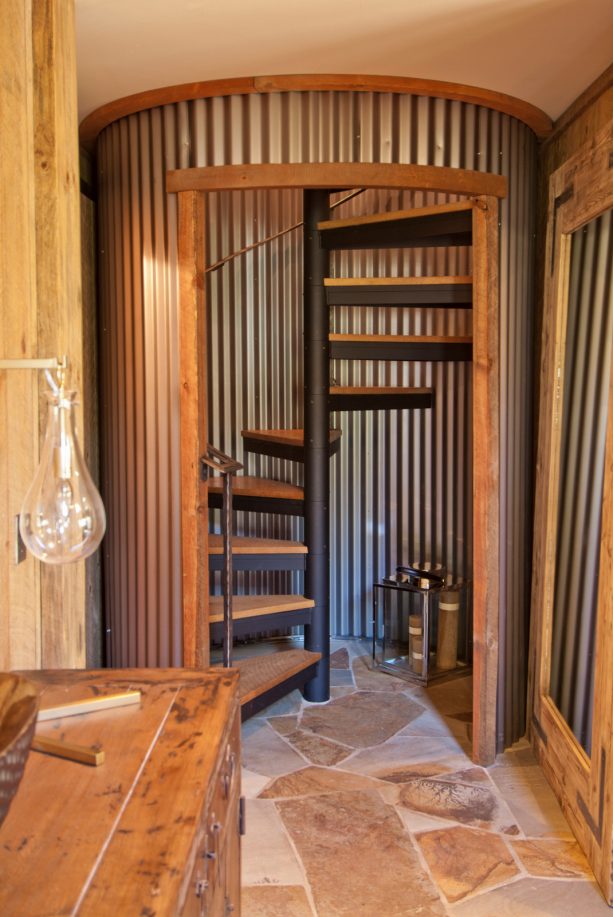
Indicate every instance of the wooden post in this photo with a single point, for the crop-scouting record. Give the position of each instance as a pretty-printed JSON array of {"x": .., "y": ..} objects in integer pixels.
[
  {"x": 58, "y": 282},
  {"x": 194, "y": 491},
  {"x": 486, "y": 457},
  {"x": 19, "y": 584}
]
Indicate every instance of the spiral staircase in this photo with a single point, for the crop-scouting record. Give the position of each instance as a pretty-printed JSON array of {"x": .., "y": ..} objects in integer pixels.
[{"x": 265, "y": 678}]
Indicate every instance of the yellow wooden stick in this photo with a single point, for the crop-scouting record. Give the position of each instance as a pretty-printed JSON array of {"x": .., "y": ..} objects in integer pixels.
[
  {"x": 81, "y": 753},
  {"x": 89, "y": 705}
]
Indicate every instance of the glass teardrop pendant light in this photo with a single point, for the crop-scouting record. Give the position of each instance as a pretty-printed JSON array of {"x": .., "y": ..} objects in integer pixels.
[{"x": 62, "y": 518}]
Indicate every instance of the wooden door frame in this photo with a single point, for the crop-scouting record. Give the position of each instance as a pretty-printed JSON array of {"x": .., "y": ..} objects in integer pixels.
[
  {"x": 580, "y": 191},
  {"x": 484, "y": 190}
]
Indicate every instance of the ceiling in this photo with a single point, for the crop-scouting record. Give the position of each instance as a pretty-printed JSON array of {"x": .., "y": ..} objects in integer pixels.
[{"x": 545, "y": 52}]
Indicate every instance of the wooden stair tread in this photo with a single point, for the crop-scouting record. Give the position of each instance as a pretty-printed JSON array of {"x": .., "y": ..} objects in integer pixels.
[
  {"x": 293, "y": 437},
  {"x": 249, "y": 486},
  {"x": 242, "y": 544},
  {"x": 253, "y": 606},
  {"x": 403, "y": 338},
  {"x": 260, "y": 674},
  {"x": 395, "y": 215},
  {"x": 378, "y": 390},
  {"x": 397, "y": 281}
]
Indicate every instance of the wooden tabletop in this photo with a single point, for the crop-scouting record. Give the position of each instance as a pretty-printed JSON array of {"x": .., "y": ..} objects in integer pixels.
[{"x": 116, "y": 839}]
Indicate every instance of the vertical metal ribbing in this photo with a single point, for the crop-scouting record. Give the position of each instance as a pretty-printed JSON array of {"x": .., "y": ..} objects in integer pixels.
[{"x": 316, "y": 435}]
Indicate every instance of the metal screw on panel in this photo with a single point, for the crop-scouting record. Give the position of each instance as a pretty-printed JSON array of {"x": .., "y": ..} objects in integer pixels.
[{"x": 201, "y": 887}]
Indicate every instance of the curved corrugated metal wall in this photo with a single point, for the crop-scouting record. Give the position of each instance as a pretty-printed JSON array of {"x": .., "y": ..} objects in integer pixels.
[{"x": 401, "y": 483}]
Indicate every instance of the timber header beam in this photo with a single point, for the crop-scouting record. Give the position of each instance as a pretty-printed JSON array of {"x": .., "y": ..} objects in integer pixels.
[{"x": 337, "y": 175}]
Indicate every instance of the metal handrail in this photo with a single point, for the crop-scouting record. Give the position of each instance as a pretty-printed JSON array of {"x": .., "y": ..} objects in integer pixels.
[
  {"x": 214, "y": 460},
  {"x": 282, "y": 232}
]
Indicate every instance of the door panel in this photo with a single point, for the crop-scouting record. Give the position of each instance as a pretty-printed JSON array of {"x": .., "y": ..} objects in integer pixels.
[{"x": 572, "y": 647}]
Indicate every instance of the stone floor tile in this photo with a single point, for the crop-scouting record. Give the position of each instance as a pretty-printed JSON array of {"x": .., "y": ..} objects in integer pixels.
[
  {"x": 252, "y": 784},
  {"x": 292, "y": 703},
  {"x": 369, "y": 679},
  {"x": 404, "y": 751},
  {"x": 341, "y": 677},
  {"x": 341, "y": 691},
  {"x": 284, "y": 724},
  {"x": 358, "y": 858},
  {"x": 463, "y": 861},
  {"x": 531, "y": 800},
  {"x": 429, "y": 723},
  {"x": 318, "y": 750},
  {"x": 339, "y": 659},
  {"x": 552, "y": 858},
  {"x": 275, "y": 901},
  {"x": 469, "y": 804},
  {"x": 313, "y": 781},
  {"x": 267, "y": 857},
  {"x": 537, "y": 898},
  {"x": 361, "y": 719},
  {"x": 265, "y": 752},
  {"x": 452, "y": 697}
]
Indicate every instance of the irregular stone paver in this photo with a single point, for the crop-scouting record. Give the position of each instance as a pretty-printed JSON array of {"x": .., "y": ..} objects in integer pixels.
[
  {"x": 315, "y": 781},
  {"x": 275, "y": 901},
  {"x": 317, "y": 749},
  {"x": 369, "y": 679},
  {"x": 360, "y": 719},
  {"x": 551, "y": 858},
  {"x": 463, "y": 861},
  {"x": 469, "y": 804},
  {"x": 339, "y": 659},
  {"x": 358, "y": 858}
]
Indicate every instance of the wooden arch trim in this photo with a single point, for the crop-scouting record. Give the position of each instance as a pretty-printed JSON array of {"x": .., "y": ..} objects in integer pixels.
[
  {"x": 337, "y": 175},
  {"x": 95, "y": 122},
  {"x": 192, "y": 186}
]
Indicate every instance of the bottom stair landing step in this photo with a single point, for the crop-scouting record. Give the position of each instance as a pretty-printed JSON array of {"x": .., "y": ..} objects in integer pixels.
[{"x": 265, "y": 679}]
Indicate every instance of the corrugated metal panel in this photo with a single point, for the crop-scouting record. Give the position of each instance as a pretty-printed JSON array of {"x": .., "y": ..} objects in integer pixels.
[
  {"x": 401, "y": 484},
  {"x": 587, "y": 376}
]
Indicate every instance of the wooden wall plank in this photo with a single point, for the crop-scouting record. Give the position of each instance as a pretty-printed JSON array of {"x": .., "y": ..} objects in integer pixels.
[
  {"x": 58, "y": 280},
  {"x": 486, "y": 449},
  {"x": 194, "y": 493},
  {"x": 19, "y": 585}
]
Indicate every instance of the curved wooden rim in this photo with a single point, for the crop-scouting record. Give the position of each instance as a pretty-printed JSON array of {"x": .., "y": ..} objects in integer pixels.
[
  {"x": 337, "y": 175},
  {"x": 95, "y": 122}
]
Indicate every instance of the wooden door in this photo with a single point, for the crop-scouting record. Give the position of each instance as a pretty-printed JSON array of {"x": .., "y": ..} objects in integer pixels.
[{"x": 572, "y": 599}]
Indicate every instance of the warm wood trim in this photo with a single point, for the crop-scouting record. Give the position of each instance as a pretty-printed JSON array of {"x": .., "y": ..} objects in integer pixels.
[
  {"x": 253, "y": 606},
  {"x": 243, "y": 544},
  {"x": 97, "y": 120},
  {"x": 338, "y": 175},
  {"x": 58, "y": 283},
  {"x": 394, "y": 216},
  {"x": 580, "y": 190},
  {"x": 402, "y": 338},
  {"x": 194, "y": 493},
  {"x": 396, "y": 281},
  {"x": 486, "y": 486},
  {"x": 485, "y": 380},
  {"x": 282, "y": 437},
  {"x": 378, "y": 390},
  {"x": 249, "y": 486}
]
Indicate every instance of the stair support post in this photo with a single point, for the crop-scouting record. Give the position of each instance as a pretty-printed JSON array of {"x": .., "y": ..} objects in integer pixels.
[
  {"x": 316, "y": 445},
  {"x": 227, "y": 571}
]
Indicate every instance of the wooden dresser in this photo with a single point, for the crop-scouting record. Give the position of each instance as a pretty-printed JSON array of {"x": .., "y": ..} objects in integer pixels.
[{"x": 154, "y": 830}]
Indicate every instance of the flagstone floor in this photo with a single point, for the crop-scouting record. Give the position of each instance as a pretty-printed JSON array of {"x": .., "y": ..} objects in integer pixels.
[{"x": 370, "y": 805}]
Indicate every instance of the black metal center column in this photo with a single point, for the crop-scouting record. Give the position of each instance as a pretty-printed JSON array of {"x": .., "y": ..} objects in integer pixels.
[{"x": 316, "y": 442}]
